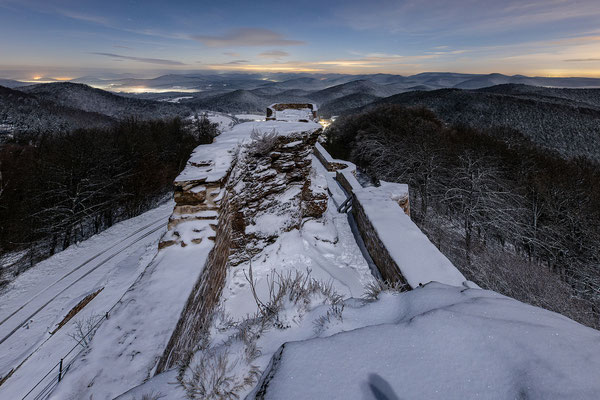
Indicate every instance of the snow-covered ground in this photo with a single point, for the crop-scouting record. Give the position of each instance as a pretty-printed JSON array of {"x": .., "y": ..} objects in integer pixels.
[
  {"x": 327, "y": 248},
  {"x": 309, "y": 319},
  {"x": 250, "y": 117},
  {"x": 294, "y": 115},
  {"x": 324, "y": 249},
  {"x": 434, "y": 342},
  {"x": 440, "y": 342},
  {"x": 37, "y": 300},
  {"x": 225, "y": 121},
  {"x": 176, "y": 99}
]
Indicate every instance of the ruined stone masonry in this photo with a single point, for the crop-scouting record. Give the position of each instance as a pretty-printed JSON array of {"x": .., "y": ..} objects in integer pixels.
[
  {"x": 237, "y": 195},
  {"x": 226, "y": 189}
]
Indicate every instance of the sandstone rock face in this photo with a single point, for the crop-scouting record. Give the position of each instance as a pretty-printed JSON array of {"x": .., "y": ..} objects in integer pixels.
[
  {"x": 202, "y": 213},
  {"x": 272, "y": 193},
  {"x": 236, "y": 195}
]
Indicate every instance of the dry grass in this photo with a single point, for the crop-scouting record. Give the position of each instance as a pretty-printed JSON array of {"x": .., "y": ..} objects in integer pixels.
[
  {"x": 76, "y": 309},
  {"x": 376, "y": 287},
  {"x": 213, "y": 377},
  {"x": 262, "y": 143},
  {"x": 223, "y": 371}
]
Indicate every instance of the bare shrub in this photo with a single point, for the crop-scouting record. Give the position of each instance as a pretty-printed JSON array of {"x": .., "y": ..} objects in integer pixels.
[
  {"x": 296, "y": 288},
  {"x": 262, "y": 142},
  {"x": 85, "y": 329},
  {"x": 213, "y": 377},
  {"x": 503, "y": 270},
  {"x": 335, "y": 312},
  {"x": 223, "y": 371},
  {"x": 374, "y": 288}
]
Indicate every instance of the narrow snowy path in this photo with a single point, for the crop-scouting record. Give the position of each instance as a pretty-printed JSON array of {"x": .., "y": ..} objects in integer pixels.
[{"x": 38, "y": 300}]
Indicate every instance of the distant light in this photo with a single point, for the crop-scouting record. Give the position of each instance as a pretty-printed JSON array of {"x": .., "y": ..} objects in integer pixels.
[
  {"x": 37, "y": 78},
  {"x": 142, "y": 89}
]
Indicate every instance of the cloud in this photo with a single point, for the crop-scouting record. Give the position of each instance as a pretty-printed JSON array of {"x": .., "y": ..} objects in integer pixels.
[
  {"x": 247, "y": 37},
  {"x": 232, "y": 54},
  {"x": 433, "y": 17},
  {"x": 119, "y": 57},
  {"x": 237, "y": 62},
  {"x": 118, "y": 46},
  {"x": 276, "y": 54},
  {"x": 582, "y": 59},
  {"x": 85, "y": 17}
]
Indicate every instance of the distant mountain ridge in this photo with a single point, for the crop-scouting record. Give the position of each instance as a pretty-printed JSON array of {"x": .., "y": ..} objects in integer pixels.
[
  {"x": 65, "y": 106},
  {"x": 20, "y": 111},
  {"x": 325, "y": 89},
  {"x": 86, "y": 98},
  {"x": 563, "y": 120}
]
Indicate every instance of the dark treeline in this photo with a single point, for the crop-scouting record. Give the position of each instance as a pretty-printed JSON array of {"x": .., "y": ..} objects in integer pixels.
[
  {"x": 526, "y": 220},
  {"x": 56, "y": 189}
]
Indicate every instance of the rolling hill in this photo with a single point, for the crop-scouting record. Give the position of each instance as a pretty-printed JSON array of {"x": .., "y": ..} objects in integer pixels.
[{"x": 563, "y": 120}]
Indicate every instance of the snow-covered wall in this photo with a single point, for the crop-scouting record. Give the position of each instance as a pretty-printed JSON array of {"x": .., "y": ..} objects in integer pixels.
[
  {"x": 219, "y": 197},
  {"x": 397, "y": 246},
  {"x": 303, "y": 112}
]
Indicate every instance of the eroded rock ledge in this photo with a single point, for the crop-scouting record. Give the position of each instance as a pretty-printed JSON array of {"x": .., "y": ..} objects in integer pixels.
[{"x": 227, "y": 189}]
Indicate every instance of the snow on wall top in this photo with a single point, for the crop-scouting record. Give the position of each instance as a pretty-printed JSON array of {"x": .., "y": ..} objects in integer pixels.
[
  {"x": 211, "y": 163},
  {"x": 418, "y": 259},
  {"x": 386, "y": 208},
  {"x": 302, "y": 112}
]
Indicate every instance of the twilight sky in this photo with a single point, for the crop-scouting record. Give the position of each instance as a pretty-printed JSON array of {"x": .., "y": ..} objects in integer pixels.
[{"x": 70, "y": 38}]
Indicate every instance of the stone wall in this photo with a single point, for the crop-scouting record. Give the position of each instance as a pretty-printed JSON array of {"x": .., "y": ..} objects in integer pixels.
[
  {"x": 195, "y": 317},
  {"x": 397, "y": 246},
  {"x": 260, "y": 183},
  {"x": 220, "y": 208},
  {"x": 279, "y": 107},
  {"x": 389, "y": 270}
]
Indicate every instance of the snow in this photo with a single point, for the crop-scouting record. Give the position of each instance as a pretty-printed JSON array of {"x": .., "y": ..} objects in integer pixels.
[
  {"x": 418, "y": 259},
  {"x": 449, "y": 340},
  {"x": 192, "y": 229},
  {"x": 325, "y": 247},
  {"x": 294, "y": 115},
  {"x": 111, "y": 260},
  {"x": 224, "y": 121},
  {"x": 6, "y": 128},
  {"x": 127, "y": 346},
  {"x": 211, "y": 163},
  {"x": 250, "y": 117},
  {"x": 158, "y": 386},
  {"x": 176, "y": 99},
  {"x": 325, "y": 154},
  {"x": 441, "y": 342}
]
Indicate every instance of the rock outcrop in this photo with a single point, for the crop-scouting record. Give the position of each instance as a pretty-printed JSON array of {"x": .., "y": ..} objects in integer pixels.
[
  {"x": 273, "y": 191},
  {"x": 227, "y": 194}
]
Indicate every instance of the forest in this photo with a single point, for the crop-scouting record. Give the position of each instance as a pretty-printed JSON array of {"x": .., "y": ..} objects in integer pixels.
[
  {"x": 512, "y": 216},
  {"x": 60, "y": 188}
]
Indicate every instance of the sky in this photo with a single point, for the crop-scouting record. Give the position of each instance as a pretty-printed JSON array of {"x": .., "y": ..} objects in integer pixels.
[{"x": 64, "y": 39}]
